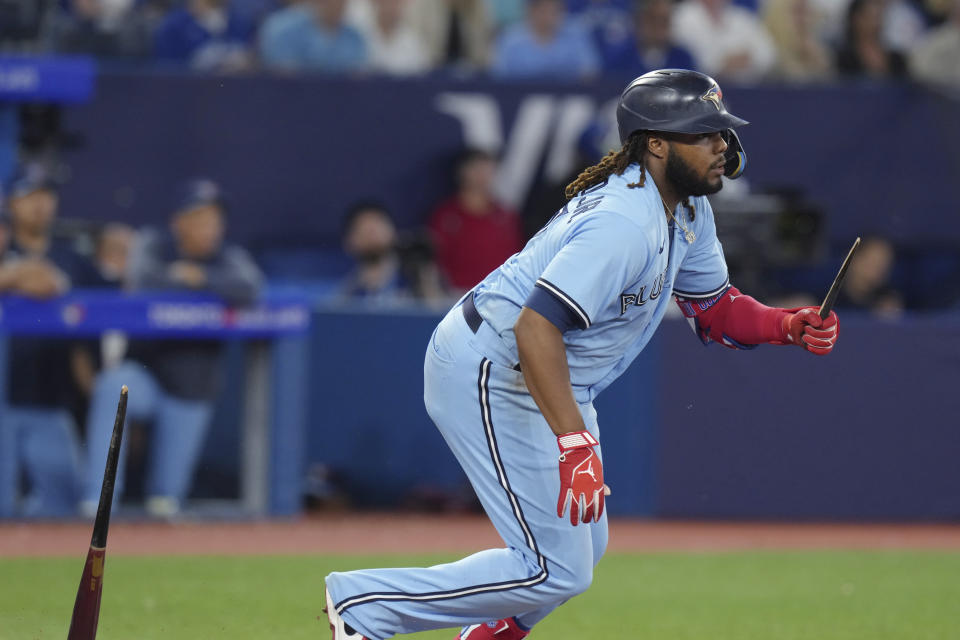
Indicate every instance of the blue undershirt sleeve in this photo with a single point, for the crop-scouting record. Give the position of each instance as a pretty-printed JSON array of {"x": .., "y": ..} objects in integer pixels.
[
  {"x": 550, "y": 307},
  {"x": 602, "y": 253}
]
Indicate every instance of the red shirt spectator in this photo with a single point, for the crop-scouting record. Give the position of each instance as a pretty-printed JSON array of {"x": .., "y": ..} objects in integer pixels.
[{"x": 473, "y": 232}]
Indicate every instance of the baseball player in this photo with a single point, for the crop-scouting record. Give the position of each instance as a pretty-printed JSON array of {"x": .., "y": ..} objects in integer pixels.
[{"x": 511, "y": 372}]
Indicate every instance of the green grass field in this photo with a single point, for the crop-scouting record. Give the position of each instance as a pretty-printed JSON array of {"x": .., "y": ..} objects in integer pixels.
[{"x": 663, "y": 596}]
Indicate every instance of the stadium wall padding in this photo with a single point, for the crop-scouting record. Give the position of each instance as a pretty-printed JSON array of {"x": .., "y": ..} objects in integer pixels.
[{"x": 869, "y": 432}]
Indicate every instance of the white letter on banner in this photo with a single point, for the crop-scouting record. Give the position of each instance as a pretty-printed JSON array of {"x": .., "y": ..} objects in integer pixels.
[
  {"x": 479, "y": 116},
  {"x": 538, "y": 117},
  {"x": 576, "y": 112},
  {"x": 528, "y": 138}
]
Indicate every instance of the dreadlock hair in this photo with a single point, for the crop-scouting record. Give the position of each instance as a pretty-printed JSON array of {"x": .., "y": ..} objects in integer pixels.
[{"x": 615, "y": 162}]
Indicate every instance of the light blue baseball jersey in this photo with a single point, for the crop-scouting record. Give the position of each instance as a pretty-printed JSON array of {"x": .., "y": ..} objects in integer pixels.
[
  {"x": 602, "y": 270},
  {"x": 610, "y": 261}
]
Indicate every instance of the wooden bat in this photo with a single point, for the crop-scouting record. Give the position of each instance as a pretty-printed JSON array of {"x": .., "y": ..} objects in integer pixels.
[
  {"x": 827, "y": 304},
  {"x": 86, "y": 608}
]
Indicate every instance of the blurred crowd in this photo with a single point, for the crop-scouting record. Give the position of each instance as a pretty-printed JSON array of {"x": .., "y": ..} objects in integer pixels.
[
  {"x": 744, "y": 40},
  {"x": 56, "y": 421},
  {"x": 55, "y": 425},
  {"x": 466, "y": 236},
  {"x": 59, "y": 388}
]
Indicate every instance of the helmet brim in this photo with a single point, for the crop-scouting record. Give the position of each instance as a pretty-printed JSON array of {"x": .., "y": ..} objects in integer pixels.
[
  {"x": 720, "y": 121},
  {"x": 717, "y": 122}
]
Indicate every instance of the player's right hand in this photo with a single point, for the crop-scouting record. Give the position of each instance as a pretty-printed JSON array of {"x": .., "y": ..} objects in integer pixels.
[
  {"x": 804, "y": 328},
  {"x": 581, "y": 478}
]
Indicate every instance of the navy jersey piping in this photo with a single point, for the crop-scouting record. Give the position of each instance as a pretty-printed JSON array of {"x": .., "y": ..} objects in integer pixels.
[{"x": 539, "y": 577}]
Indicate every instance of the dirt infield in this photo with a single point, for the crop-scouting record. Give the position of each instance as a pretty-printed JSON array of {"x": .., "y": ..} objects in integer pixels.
[{"x": 393, "y": 533}]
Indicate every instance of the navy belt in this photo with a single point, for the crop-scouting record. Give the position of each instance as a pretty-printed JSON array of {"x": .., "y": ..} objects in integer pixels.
[{"x": 473, "y": 317}]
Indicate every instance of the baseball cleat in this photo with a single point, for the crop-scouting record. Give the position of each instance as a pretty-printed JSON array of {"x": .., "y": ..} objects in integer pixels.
[
  {"x": 507, "y": 629},
  {"x": 341, "y": 630}
]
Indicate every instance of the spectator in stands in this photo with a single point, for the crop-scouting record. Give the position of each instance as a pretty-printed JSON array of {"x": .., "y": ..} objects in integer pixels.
[
  {"x": 112, "y": 252},
  {"x": 726, "y": 40},
  {"x": 173, "y": 383},
  {"x": 904, "y": 24},
  {"x": 103, "y": 28},
  {"x": 256, "y": 11},
  {"x": 863, "y": 52},
  {"x": 27, "y": 269},
  {"x": 868, "y": 285},
  {"x": 36, "y": 428},
  {"x": 312, "y": 36},
  {"x": 473, "y": 233},
  {"x": 50, "y": 265},
  {"x": 206, "y": 35},
  {"x": 607, "y": 21},
  {"x": 395, "y": 47},
  {"x": 650, "y": 46},
  {"x": 370, "y": 238},
  {"x": 547, "y": 44},
  {"x": 934, "y": 60},
  {"x": 456, "y": 33},
  {"x": 112, "y": 246},
  {"x": 504, "y": 13},
  {"x": 801, "y": 55}
]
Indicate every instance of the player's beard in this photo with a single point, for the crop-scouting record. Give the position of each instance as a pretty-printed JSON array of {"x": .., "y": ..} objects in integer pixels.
[{"x": 686, "y": 180}]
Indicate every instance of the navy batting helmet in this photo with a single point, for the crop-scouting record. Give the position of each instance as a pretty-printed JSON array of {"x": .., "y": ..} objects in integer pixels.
[{"x": 680, "y": 101}]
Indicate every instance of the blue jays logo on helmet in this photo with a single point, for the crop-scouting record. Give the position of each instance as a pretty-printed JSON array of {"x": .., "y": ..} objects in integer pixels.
[{"x": 714, "y": 95}]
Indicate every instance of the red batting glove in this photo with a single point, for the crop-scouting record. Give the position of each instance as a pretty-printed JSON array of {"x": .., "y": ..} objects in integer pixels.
[
  {"x": 803, "y": 327},
  {"x": 581, "y": 478}
]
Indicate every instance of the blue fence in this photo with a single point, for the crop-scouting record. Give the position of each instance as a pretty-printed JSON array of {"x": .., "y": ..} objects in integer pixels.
[
  {"x": 63, "y": 79},
  {"x": 866, "y": 432},
  {"x": 869, "y": 432},
  {"x": 265, "y": 409}
]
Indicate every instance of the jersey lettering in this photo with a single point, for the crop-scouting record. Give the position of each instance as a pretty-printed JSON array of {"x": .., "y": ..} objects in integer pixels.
[
  {"x": 637, "y": 299},
  {"x": 627, "y": 299},
  {"x": 596, "y": 187},
  {"x": 549, "y": 222},
  {"x": 658, "y": 285},
  {"x": 584, "y": 205}
]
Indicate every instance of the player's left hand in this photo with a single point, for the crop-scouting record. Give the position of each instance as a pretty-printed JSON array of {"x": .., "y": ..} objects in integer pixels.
[
  {"x": 804, "y": 328},
  {"x": 582, "y": 490}
]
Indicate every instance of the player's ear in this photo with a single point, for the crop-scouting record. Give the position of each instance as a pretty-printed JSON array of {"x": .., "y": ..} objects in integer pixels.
[{"x": 656, "y": 146}]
